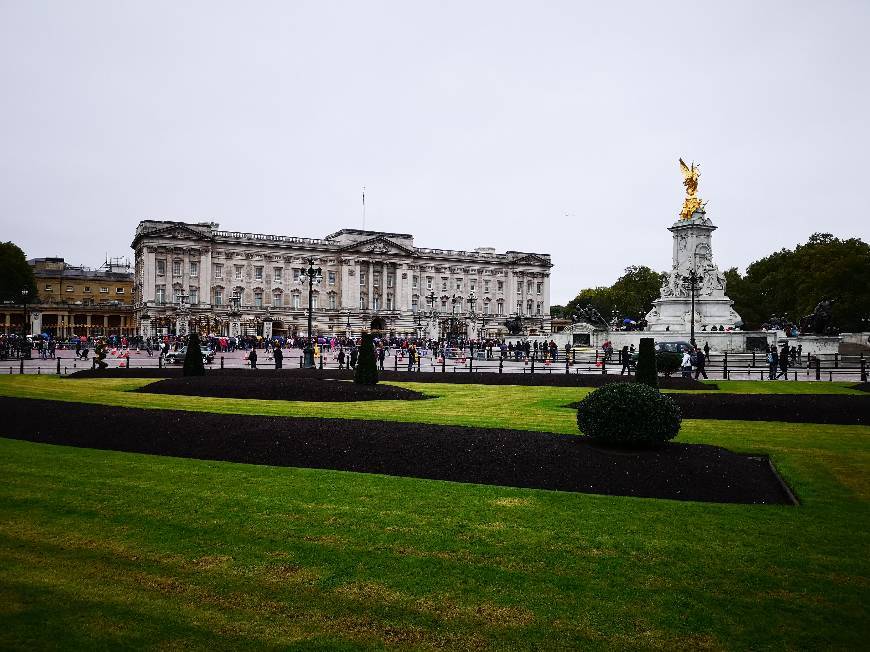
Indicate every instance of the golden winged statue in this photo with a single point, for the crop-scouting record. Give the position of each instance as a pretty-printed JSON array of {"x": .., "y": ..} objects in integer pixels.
[{"x": 690, "y": 179}]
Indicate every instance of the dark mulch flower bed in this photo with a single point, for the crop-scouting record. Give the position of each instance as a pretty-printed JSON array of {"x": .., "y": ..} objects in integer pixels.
[
  {"x": 486, "y": 378},
  {"x": 864, "y": 387},
  {"x": 478, "y": 455},
  {"x": 279, "y": 387},
  {"x": 794, "y": 408}
]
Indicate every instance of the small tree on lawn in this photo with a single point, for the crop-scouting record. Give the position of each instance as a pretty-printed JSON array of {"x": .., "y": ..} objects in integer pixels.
[
  {"x": 193, "y": 357},
  {"x": 646, "y": 363},
  {"x": 366, "y": 372}
]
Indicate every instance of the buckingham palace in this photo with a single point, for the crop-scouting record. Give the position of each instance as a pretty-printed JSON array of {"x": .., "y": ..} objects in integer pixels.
[{"x": 193, "y": 275}]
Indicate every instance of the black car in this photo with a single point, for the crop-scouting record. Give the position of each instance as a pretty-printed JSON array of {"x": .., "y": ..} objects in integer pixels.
[{"x": 177, "y": 357}]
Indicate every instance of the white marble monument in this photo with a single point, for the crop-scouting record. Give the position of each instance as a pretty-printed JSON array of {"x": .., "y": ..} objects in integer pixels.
[{"x": 693, "y": 252}]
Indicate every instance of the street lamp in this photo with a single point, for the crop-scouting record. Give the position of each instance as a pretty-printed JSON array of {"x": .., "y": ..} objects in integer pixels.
[
  {"x": 24, "y": 294},
  {"x": 693, "y": 277},
  {"x": 312, "y": 274}
]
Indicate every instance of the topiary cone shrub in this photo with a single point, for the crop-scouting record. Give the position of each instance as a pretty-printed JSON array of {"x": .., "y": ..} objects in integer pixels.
[
  {"x": 646, "y": 363},
  {"x": 193, "y": 357},
  {"x": 366, "y": 372},
  {"x": 667, "y": 362},
  {"x": 628, "y": 413}
]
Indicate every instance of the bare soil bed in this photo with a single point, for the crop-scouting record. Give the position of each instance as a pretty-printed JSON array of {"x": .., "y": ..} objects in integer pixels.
[
  {"x": 280, "y": 387},
  {"x": 478, "y": 455},
  {"x": 485, "y": 378},
  {"x": 794, "y": 408}
]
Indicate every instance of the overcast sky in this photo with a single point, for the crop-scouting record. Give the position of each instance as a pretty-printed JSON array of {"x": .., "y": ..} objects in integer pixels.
[{"x": 552, "y": 127}]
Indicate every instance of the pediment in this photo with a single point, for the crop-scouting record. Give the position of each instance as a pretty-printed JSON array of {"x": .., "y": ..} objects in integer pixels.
[
  {"x": 176, "y": 231},
  {"x": 531, "y": 259},
  {"x": 377, "y": 245}
]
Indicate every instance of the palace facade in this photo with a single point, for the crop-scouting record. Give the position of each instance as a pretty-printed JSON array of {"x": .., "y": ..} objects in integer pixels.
[{"x": 194, "y": 275}]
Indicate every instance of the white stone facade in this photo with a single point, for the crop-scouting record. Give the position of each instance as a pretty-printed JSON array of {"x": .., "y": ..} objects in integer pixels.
[
  {"x": 692, "y": 250},
  {"x": 190, "y": 272}
]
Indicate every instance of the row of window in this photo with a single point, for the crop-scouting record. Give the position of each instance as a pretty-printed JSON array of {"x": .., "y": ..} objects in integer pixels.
[{"x": 87, "y": 289}]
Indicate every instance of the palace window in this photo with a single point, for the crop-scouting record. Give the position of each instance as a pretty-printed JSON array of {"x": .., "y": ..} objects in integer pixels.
[
  {"x": 176, "y": 268},
  {"x": 104, "y": 290},
  {"x": 296, "y": 274},
  {"x": 278, "y": 275},
  {"x": 258, "y": 273},
  {"x": 486, "y": 308},
  {"x": 528, "y": 287},
  {"x": 391, "y": 280},
  {"x": 295, "y": 301},
  {"x": 443, "y": 305},
  {"x": 218, "y": 296},
  {"x": 538, "y": 312},
  {"x": 315, "y": 301},
  {"x": 70, "y": 288},
  {"x": 459, "y": 284},
  {"x": 330, "y": 276},
  {"x": 218, "y": 270},
  {"x": 486, "y": 287},
  {"x": 88, "y": 288},
  {"x": 160, "y": 294},
  {"x": 332, "y": 300},
  {"x": 540, "y": 287},
  {"x": 376, "y": 279},
  {"x": 48, "y": 288},
  {"x": 415, "y": 305},
  {"x": 376, "y": 303},
  {"x": 161, "y": 267},
  {"x": 193, "y": 294},
  {"x": 415, "y": 281},
  {"x": 119, "y": 290},
  {"x": 238, "y": 272},
  {"x": 389, "y": 302},
  {"x": 500, "y": 307},
  {"x": 519, "y": 307},
  {"x": 363, "y": 302},
  {"x": 276, "y": 298},
  {"x": 362, "y": 278},
  {"x": 258, "y": 298},
  {"x": 500, "y": 286},
  {"x": 428, "y": 282},
  {"x": 472, "y": 286},
  {"x": 194, "y": 269}
]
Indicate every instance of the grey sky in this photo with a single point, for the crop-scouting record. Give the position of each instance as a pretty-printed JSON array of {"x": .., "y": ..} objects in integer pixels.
[{"x": 551, "y": 127}]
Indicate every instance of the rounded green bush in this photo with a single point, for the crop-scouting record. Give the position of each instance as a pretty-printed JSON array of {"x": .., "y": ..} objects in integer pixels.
[
  {"x": 628, "y": 413},
  {"x": 667, "y": 362}
]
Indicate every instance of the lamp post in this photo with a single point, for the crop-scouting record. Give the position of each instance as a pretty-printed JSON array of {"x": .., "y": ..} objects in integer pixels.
[
  {"x": 693, "y": 277},
  {"x": 472, "y": 299},
  {"x": 26, "y": 350},
  {"x": 312, "y": 274}
]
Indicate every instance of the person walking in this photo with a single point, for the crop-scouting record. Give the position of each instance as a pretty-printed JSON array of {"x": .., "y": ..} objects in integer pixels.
[
  {"x": 772, "y": 363},
  {"x": 706, "y": 352},
  {"x": 353, "y": 357},
  {"x": 252, "y": 358},
  {"x": 341, "y": 357},
  {"x": 625, "y": 358},
  {"x": 686, "y": 365},
  {"x": 278, "y": 354},
  {"x": 783, "y": 362},
  {"x": 700, "y": 364},
  {"x": 382, "y": 353}
]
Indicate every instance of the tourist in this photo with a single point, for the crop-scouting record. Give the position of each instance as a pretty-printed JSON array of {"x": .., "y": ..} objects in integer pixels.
[
  {"x": 354, "y": 354},
  {"x": 278, "y": 354},
  {"x": 686, "y": 365},
  {"x": 412, "y": 353},
  {"x": 700, "y": 363},
  {"x": 783, "y": 362},
  {"x": 341, "y": 357},
  {"x": 625, "y": 357},
  {"x": 772, "y": 363},
  {"x": 382, "y": 353},
  {"x": 252, "y": 358},
  {"x": 706, "y": 352}
]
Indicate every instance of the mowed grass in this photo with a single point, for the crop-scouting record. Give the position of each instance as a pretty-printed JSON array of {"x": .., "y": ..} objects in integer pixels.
[{"x": 108, "y": 550}]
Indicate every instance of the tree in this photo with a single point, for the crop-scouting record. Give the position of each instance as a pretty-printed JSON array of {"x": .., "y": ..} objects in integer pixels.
[
  {"x": 791, "y": 283},
  {"x": 630, "y": 296},
  {"x": 366, "y": 372},
  {"x": 193, "y": 357},
  {"x": 15, "y": 275}
]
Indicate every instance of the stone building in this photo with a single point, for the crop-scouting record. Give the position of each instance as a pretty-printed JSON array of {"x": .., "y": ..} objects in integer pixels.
[
  {"x": 74, "y": 300},
  {"x": 193, "y": 275}
]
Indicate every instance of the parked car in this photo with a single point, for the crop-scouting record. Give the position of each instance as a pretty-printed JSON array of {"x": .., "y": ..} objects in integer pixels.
[
  {"x": 177, "y": 357},
  {"x": 674, "y": 347}
]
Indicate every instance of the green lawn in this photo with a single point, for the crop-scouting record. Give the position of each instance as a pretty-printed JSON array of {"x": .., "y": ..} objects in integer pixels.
[{"x": 108, "y": 550}]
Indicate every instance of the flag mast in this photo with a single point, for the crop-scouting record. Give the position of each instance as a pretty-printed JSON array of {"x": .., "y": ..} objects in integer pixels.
[{"x": 364, "y": 207}]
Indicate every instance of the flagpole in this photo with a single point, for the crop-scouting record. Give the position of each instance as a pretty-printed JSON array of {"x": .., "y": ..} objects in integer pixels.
[{"x": 364, "y": 207}]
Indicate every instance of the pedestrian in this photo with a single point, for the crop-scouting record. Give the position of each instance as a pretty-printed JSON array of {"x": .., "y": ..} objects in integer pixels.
[
  {"x": 278, "y": 354},
  {"x": 706, "y": 352},
  {"x": 353, "y": 356},
  {"x": 686, "y": 365},
  {"x": 341, "y": 357},
  {"x": 252, "y": 358},
  {"x": 700, "y": 363},
  {"x": 382, "y": 353},
  {"x": 412, "y": 353},
  {"x": 783, "y": 362},
  {"x": 772, "y": 363},
  {"x": 625, "y": 357}
]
